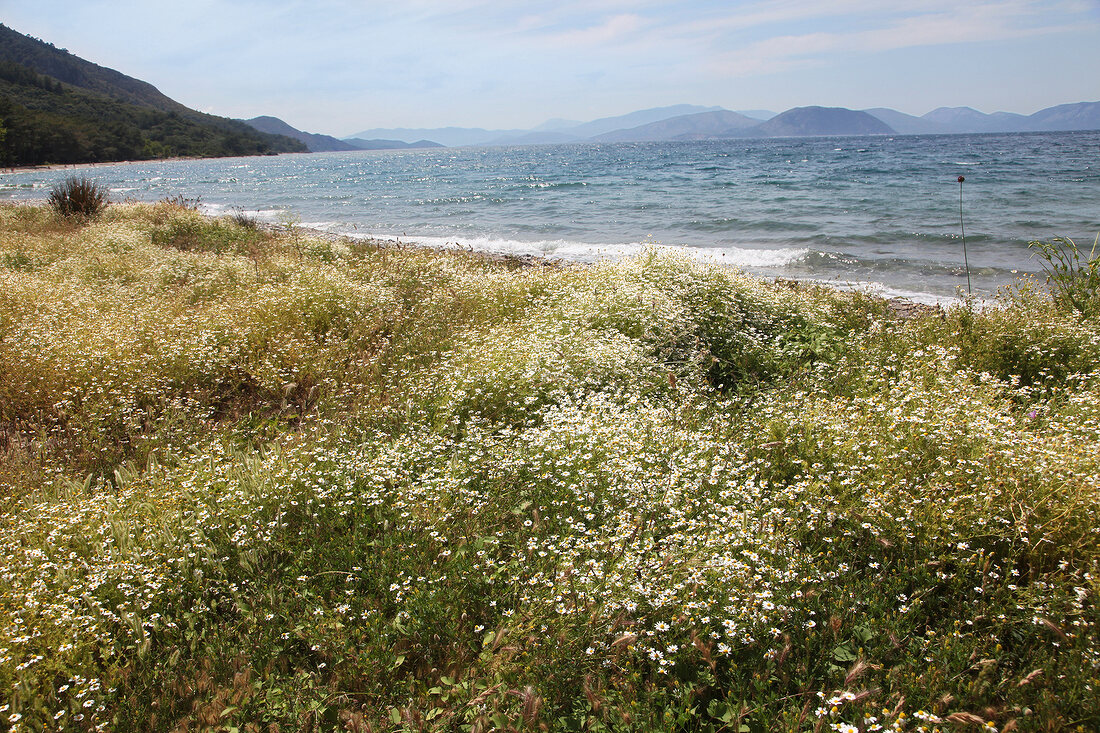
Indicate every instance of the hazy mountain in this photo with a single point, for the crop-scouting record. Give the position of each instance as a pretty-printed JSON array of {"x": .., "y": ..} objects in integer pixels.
[
  {"x": 690, "y": 122},
  {"x": 361, "y": 144},
  {"x": 634, "y": 119},
  {"x": 758, "y": 114},
  {"x": 457, "y": 136},
  {"x": 316, "y": 143},
  {"x": 1080, "y": 116},
  {"x": 1064, "y": 117},
  {"x": 907, "y": 124},
  {"x": 448, "y": 136},
  {"x": 60, "y": 108},
  {"x": 593, "y": 130},
  {"x": 1009, "y": 122},
  {"x": 701, "y": 125},
  {"x": 556, "y": 124},
  {"x": 968, "y": 119},
  {"x": 810, "y": 121}
]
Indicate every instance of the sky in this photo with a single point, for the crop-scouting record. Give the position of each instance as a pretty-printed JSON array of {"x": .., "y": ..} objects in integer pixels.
[{"x": 341, "y": 66}]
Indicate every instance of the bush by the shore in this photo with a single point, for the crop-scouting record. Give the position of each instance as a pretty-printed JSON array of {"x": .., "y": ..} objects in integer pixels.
[
  {"x": 79, "y": 197},
  {"x": 260, "y": 482}
]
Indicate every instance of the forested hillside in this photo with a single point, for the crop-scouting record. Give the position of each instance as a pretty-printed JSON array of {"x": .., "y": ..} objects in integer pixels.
[{"x": 58, "y": 108}]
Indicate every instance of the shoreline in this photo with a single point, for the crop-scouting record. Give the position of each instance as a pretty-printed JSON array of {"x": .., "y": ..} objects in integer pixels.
[
  {"x": 85, "y": 166},
  {"x": 932, "y": 303},
  {"x": 900, "y": 306},
  {"x": 521, "y": 261}
]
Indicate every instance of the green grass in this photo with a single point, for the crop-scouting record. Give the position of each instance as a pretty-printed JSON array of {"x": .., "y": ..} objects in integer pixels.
[{"x": 259, "y": 482}]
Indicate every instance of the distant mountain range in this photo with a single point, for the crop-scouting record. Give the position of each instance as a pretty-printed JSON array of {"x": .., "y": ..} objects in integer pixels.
[
  {"x": 58, "y": 108},
  {"x": 696, "y": 126},
  {"x": 687, "y": 122},
  {"x": 379, "y": 144},
  {"x": 808, "y": 121},
  {"x": 1064, "y": 117},
  {"x": 448, "y": 136},
  {"x": 326, "y": 143},
  {"x": 315, "y": 143}
]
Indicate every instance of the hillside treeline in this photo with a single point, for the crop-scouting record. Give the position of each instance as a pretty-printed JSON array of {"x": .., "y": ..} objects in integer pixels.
[{"x": 44, "y": 121}]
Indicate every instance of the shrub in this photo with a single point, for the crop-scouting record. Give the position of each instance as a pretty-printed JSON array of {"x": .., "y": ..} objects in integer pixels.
[
  {"x": 197, "y": 234},
  {"x": 1074, "y": 280},
  {"x": 180, "y": 201},
  {"x": 244, "y": 220},
  {"x": 78, "y": 197},
  {"x": 1026, "y": 340}
]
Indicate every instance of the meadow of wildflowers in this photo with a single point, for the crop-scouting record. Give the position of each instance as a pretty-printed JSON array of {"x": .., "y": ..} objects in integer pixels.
[{"x": 253, "y": 482}]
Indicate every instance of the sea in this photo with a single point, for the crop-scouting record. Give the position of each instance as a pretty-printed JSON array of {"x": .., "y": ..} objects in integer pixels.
[{"x": 883, "y": 214}]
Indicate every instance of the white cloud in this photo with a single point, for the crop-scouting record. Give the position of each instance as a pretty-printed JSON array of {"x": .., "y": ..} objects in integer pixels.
[
  {"x": 951, "y": 24},
  {"x": 610, "y": 30},
  {"x": 452, "y": 60}
]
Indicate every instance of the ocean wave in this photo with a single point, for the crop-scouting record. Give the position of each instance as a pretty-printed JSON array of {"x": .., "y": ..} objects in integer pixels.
[
  {"x": 450, "y": 200},
  {"x": 548, "y": 184},
  {"x": 886, "y": 291},
  {"x": 763, "y": 225},
  {"x": 579, "y": 251},
  {"x": 829, "y": 258},
  {"x": 269, "y": 216}
]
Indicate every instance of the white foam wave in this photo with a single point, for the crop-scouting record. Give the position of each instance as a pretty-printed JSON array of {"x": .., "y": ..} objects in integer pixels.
[
  {"x": 745, "y": 257},
  {"x": 591, "y": 252},
  {"x": 267, "y": 215},
  {"x": 767, "y": 260},
  {"x": 740, "y": 257},
  {"x": 321, "y": 226},
  {"x": 886, "y": 291}
]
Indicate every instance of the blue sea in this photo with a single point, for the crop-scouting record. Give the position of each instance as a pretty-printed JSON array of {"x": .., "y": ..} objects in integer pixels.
[{"x": 881, "y": 213}]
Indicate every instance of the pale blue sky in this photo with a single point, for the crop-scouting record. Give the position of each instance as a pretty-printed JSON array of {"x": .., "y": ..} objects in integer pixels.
[{"x": 340, "y": 66}]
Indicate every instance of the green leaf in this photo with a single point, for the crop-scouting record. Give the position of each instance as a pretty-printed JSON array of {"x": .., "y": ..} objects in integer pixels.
[
  {"x": 721, "y": 710},
  {"x": 843, "y": 654}
]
